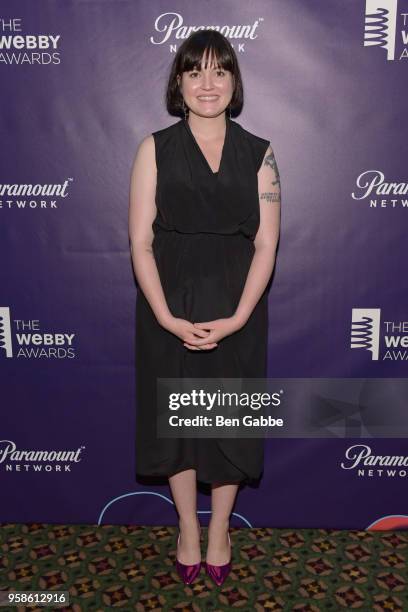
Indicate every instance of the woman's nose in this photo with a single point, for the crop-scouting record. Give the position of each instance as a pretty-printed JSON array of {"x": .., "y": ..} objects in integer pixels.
[{"x": 207, "y": 82}]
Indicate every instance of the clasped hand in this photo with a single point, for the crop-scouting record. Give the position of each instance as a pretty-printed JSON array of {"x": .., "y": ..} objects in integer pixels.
[{"x": 203, "y": 335}]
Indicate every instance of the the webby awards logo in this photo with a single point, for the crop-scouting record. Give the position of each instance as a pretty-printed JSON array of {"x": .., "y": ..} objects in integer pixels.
[
  {"x": 384, "y": 26},
  {"x": 386, "y": 341},
  {"x": 19, "y": 48},
  {"x": 26, "y": 338}
]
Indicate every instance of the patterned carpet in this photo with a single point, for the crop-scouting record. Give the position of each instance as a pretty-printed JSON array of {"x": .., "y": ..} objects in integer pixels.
[{"x": 132, "y": 568}]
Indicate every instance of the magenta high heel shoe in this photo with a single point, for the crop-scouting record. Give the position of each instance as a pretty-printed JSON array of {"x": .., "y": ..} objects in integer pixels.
[
  {"x": 188, "y": 573},
  {"x": 218, "y": 573}
]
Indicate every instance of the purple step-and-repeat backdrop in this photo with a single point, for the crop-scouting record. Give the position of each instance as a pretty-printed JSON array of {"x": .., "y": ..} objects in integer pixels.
[{"x": 82, "y": 83}]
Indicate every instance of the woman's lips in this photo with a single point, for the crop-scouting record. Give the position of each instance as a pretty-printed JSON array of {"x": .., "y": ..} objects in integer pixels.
[{"x": 212, "y": 99}]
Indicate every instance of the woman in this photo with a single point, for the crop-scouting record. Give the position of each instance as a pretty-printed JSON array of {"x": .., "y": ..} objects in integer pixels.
[{"x": 203, "y": 224}]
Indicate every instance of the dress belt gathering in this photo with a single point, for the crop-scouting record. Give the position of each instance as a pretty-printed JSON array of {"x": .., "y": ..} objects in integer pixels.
[{"x": 185, "y": 233}]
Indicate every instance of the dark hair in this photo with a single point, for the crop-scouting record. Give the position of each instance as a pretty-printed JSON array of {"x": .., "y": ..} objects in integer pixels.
[{"x": 189, "y": 57}]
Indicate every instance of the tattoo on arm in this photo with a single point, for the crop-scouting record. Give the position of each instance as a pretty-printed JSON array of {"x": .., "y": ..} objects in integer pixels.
[
  {"x": 272, "y": 196},
  {"x": 271, "y": 161}
]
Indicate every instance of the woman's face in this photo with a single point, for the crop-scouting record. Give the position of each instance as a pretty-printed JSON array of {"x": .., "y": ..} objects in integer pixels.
[{"x": 207, "y": 92}]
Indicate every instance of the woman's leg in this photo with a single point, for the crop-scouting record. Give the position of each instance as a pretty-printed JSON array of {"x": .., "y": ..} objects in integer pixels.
[
  {"x": 222, "y": 501},
  {"x": 183, "y": 487}
]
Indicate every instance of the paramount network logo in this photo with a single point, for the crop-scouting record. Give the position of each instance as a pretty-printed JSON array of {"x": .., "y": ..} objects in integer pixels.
[
  {"x": 366, "y": 335},
  {"x": 37, "y": 195},
  {"x": 380, "y": 25},
  {"x": 360, "y": 458},
  {"x": 170, "y": 27},
  {"x": 379, "y": 192},
  {"x": 14, "y": 459}
]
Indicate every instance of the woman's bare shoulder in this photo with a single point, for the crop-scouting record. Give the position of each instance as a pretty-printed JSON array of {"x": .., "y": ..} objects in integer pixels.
[
  {"x": 146, "y": 144},
  {"x": 145, "y": 153}
]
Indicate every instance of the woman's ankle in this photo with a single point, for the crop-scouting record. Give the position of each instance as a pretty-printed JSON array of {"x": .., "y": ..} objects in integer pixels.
[
  {"x": 219, "y": 523},
  {"x": 188, "y": 521}
]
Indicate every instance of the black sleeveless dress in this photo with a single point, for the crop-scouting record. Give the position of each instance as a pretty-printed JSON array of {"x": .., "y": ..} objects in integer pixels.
[{"x": 203, "y": 247}]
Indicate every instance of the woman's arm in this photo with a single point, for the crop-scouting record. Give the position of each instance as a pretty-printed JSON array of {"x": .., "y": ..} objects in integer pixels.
[
  {"x": 266, "y": 239},
  {"x": 142, "y": 212}
]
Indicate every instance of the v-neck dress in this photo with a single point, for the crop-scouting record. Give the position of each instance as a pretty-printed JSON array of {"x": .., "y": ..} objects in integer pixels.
[{"x": 203, "y": 246}]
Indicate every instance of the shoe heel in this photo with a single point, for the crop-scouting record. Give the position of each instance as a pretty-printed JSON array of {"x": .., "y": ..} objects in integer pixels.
[
  {"x": 188, "y": 573},
  {"x": 218, "y": 573}
]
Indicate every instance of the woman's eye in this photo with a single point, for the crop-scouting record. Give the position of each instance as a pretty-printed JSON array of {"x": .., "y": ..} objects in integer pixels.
[{"x": 194, "y": 73}]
